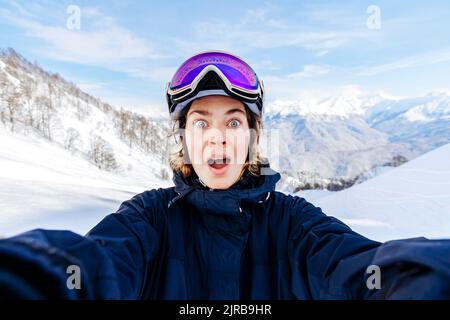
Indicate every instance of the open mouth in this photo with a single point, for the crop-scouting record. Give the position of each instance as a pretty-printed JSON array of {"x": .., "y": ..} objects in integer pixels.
[{"x": 219, "y": 163}]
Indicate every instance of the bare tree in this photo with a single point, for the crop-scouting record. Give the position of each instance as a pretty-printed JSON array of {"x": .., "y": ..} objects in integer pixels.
[
  {"x": 4, "y": 88},
  {"x": 124, "y": 119},
  {"x": 13, "y": 106},
  {"x": 72, "y": 141},
  {"x": 142, "y": 132},
  {"x": 131, "y": 135},
  {"x": 82, "y": 109},
  {"x": 164, "y": 174},
  {"x": 27, "y": 88},
  {"x": 102, "y": 154},
  {"x": 45, "y": 116}
]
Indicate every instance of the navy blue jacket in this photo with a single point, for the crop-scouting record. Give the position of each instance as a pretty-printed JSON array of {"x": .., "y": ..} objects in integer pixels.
[{"x": 246, "y": 242}]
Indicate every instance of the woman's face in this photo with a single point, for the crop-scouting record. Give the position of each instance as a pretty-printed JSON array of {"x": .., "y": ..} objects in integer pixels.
[{"x": 217, "y": 139}]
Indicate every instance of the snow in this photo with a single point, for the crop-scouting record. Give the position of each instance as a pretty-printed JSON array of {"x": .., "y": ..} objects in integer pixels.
[
  {"x": 313, "y": 195},
  {"x": 408, "y": 201},
  {"x": 320, "y": 138},
  {"x": 318, "y": 148},
  {"x": 415, "y": 115},
  {"x": 345, "y": 136},
  {"x": 45, "y": 186}
]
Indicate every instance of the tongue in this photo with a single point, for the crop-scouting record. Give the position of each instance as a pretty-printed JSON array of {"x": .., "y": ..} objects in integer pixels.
[{"x": 218, "y": 165}]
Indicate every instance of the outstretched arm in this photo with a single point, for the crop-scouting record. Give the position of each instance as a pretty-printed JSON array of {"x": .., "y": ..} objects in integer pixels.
[
  {"x": 331, "y": 261},
  {"x": 112, "y": 257}
]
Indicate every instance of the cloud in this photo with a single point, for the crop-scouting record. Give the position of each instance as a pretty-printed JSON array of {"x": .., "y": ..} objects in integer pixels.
[
  {"x": 321, "y": 53},
  {"x": 22, "y": 11},
  {"x": 152, "y": 73},
  {"x": 261, "y": 28},
  {"x": 100, "y": 42},
  {"x": 89, "y": 86},
  {"x": 265, "y": 64},
  {"x": 261, "y": 15},
  {"x": 335, "y": 15},
  {"x": 222, "y": 34},
  {"x": 406, "y": 62},
  {"x": 311, "y": 70},
  {"x": 294, "y": 84}
]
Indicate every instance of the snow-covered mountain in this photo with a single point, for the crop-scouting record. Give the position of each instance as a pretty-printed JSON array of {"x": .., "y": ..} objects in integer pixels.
[
  {"x": 343, "y": 105},
  {"x": 66, "y": 158},
  {"x": 329, "y": 143},
  {"x": 335, "y": 142},
  {"x": 321, "y": 151},
  {"x": 422, "y": 123},
  {"x": 51, "y": 111}
]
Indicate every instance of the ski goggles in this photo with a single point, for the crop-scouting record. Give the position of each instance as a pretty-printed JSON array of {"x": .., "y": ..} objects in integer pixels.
[{"x": 238, "y": 78}]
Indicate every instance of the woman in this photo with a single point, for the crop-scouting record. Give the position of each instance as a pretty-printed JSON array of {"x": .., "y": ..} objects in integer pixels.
[{"x": 222, "y": 232}]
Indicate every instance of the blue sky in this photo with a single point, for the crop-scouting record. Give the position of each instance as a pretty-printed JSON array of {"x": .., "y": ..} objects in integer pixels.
[{"x": 125, "y": 51}]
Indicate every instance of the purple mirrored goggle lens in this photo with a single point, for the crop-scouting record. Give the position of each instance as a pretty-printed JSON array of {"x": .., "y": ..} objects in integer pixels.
[{"x": 238, "y": 72}]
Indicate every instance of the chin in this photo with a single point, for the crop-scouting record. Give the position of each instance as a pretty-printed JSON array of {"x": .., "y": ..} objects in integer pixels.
[{"x": 218, "y": 183}]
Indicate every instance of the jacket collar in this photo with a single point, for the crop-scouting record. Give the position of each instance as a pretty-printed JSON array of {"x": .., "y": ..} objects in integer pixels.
[{"x": 249, "y": 189}]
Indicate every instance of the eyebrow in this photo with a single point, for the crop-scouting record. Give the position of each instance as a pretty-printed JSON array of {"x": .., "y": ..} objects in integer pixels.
[{"x": 206, "y": 113}]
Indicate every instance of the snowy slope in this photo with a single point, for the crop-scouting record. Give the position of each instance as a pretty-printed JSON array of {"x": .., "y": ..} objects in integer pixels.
[
  {"x": 408, "y": 201},
  {"x": 69, "y": 112},
  {"x": 44, "y": 186},
  {"x": 44, "y": 183}
]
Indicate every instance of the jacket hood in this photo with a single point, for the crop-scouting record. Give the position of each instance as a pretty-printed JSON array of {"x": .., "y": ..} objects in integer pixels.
[{"x": 249, "y": 188}]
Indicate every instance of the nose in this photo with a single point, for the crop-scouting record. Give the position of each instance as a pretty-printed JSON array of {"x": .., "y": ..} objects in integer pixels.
[
  {"x": 217, "y": 139},
  {"x": 217, "y": 136}
]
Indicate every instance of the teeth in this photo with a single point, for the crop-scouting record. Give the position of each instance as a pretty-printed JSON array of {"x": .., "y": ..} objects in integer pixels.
[{"x": 218, "y": 160}]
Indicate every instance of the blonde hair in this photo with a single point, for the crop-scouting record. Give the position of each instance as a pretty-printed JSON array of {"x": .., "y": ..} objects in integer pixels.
[{"x": 178, "y": 158}]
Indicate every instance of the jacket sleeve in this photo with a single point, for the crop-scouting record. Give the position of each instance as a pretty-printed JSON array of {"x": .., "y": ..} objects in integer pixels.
[
  {"x": 330, "y": 261},
  {"x": 112, "y": 257}
]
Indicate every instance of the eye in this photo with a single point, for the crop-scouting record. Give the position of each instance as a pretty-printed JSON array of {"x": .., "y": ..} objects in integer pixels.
[
  {"x": 200, "y": 123},
  {"x": 234, "y": 123}
]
